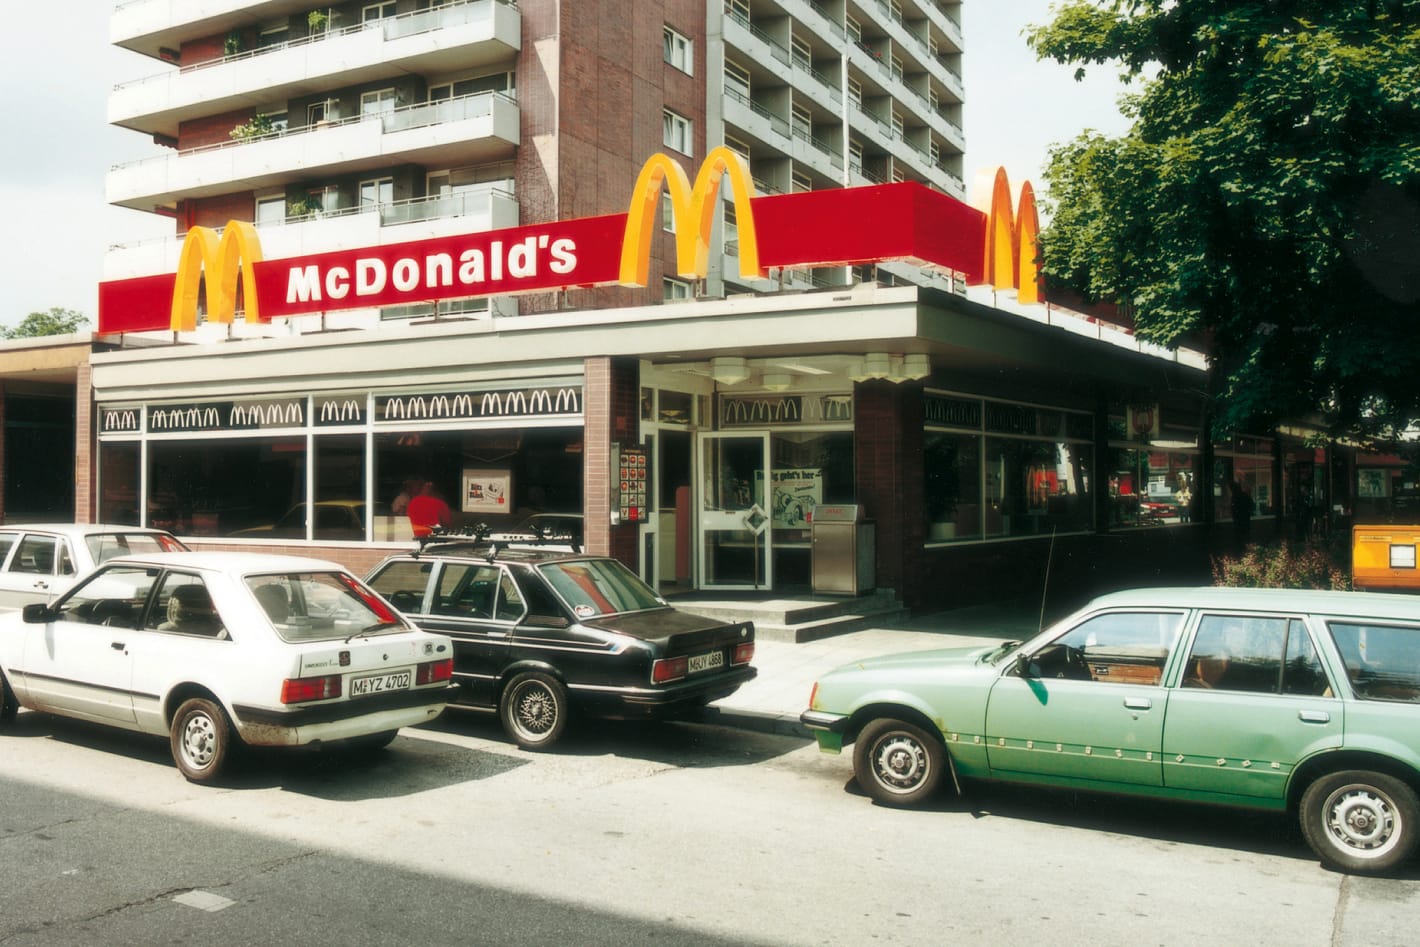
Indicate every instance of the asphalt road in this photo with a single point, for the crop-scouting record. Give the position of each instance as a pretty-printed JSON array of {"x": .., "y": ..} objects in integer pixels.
[{"x": 629, "y": 834}]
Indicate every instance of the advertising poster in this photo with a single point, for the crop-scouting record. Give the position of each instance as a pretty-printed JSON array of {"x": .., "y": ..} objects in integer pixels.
[
  {"x": 795, "y": 494},
  {"x": 487, "y": 490}
]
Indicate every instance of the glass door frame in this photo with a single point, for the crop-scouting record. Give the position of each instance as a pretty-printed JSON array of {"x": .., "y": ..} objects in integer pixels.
[{"x": 710, "y": 520}]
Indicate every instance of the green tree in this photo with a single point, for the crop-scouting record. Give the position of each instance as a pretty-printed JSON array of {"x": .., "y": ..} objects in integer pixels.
[
  {"x": 1265, "y": 202},
  {"x": 55, "y": 322}
]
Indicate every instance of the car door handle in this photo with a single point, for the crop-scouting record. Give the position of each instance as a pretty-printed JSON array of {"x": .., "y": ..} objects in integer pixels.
[
  {"x": 117, "y": 645},
  {"x": 1314, "y": 716},
  {"x": 495, "y": 634},
  {"x": 1138, "y": 703}
]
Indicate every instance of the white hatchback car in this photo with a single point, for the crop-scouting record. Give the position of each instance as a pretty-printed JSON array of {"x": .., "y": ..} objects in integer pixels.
[
  {"x": 215, "y": 650},
  {"x": 41, "y": 560}
]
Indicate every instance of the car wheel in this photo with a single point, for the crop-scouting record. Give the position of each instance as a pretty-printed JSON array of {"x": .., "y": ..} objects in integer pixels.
[
  {"x": 898, "y": 763},
  {"x": 9, "y": 706},
  {"x": 534, "y": 710},
  {"x": 1360, "y": 822},
  {"x": 201, "y": 739}
]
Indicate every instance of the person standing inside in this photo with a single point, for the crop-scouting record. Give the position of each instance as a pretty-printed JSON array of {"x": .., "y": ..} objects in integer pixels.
[
  {"x": 428, "y": 511},
  {"x": 1242, "y": 513}
]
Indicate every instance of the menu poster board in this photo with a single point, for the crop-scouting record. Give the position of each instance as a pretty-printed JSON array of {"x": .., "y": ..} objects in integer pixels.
[
  {"x": 487, "y": 490},
  {"x": 632, "y": 476},
  {"x": 795, "y": 494}
]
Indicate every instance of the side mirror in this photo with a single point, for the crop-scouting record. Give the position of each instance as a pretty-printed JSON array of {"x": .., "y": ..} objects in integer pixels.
[
  {"x": 1023, "y": 664},
  {"x": 36, "y": 613}
]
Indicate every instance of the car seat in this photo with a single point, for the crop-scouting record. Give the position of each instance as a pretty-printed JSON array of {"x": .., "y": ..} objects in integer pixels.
[
  {"x": 273, "y": 600},
  {"x": 191, "y": 612}
]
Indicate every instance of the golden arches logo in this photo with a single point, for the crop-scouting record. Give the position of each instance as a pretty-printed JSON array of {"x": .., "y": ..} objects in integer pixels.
[
  {"x": 693, "y": 210},
  {"x": 238, "y": 250},
  {"x": 1012, "y": 241}
]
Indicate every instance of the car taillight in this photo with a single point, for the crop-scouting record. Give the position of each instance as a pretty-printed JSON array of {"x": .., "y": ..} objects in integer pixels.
[
  {"x": 298, "y": 690},
  {"x": 743, "y": 653},
  {"x": 433, "y": 671},
  {"x": 665, "y": 670}
]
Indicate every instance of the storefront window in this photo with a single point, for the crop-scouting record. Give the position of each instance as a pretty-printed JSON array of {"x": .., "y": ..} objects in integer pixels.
[
  {"x": 1152, "y": 486},
  {"x": 491, "y": 477},
  {"x": 952, "y": 475},
  {"x": 1036, "y": 487},
  {"x": 1243, "y": 476},
  {"x": 251, "y": 488},
  {"x": 340, "y": 512},
  {"x": 118, "y": 484}
]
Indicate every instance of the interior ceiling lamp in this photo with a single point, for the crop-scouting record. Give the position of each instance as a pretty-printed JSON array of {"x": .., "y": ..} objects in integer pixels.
[
  {"x": 777, "y": 381},
  {"x": 915, "y": 365},
  {"x": 729, "y": 370}
]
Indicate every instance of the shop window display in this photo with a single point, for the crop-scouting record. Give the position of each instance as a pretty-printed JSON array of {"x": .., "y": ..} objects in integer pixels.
[
  {"x": 1036, "y": 487},
  {"x": 244, "y": 487}
]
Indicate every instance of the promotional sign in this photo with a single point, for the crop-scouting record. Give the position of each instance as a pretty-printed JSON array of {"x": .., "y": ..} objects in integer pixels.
[
  {"x": 487, "y": 491},
  {"x": 836, "y": 227}
]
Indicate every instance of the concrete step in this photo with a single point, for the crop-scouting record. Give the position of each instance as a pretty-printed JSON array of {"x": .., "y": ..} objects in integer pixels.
[{"x": 802, "y": 618}]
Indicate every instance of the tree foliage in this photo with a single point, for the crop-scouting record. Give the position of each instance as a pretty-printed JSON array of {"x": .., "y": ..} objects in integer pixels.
[
  {"x": 54, "y": 322},
  {"x": 1265, "y": 202}
]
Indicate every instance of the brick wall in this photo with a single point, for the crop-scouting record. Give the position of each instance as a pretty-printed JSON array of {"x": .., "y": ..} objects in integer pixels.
[
  {"x": 84, "y": 453},
  {"x": 887, "y": 452},
  {"x": 211, "y": 129},
  {"x": 216, "y": 211}
]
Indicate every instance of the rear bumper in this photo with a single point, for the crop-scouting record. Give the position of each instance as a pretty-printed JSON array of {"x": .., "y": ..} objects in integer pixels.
[
  {"x": 339, "y": 720},
  {"x": 638, "y": 703}
]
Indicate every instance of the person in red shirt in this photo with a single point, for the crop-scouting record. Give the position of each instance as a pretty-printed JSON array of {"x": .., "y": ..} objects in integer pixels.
[{"x": 428, "y": 511}]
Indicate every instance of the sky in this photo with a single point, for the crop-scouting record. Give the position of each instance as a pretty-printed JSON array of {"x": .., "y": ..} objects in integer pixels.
[{"x": 56, "y": 59}]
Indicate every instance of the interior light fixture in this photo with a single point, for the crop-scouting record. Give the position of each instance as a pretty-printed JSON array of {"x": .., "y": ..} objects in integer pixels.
[
  {"x": 776, "y": 381},
  {"x": 729, "y": 370}
]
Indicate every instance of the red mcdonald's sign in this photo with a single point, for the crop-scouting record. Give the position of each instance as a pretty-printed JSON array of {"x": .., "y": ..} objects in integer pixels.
[{"x": 835, "y": 227}]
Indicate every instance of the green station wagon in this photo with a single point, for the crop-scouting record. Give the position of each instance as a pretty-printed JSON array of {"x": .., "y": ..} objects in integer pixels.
[{"x": 1264, "y": 698}]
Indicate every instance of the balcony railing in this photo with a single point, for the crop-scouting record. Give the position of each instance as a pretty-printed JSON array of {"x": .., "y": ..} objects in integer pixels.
[
  {"x": 456, "y": 13},
  {"x": 478, "y": 105}
]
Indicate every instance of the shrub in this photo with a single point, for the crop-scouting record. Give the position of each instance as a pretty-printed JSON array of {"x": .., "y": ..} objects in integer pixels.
[{"x": 1285, "y": 565}]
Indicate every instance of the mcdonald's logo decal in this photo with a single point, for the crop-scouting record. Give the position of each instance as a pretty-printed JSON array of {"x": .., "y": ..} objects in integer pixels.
[
  {"x": 836, "y": 227},
  {"x": 1011, "y": 245},
  {"x": 693, "y": 210},
  {"x": 202, "y": 251}
]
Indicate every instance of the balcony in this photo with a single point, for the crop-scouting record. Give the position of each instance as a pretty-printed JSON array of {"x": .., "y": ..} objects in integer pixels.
[
  {"x": 474, "y": 129},
  {"x": 480, "y": 209},
  {"x": 459, "y": 36}
]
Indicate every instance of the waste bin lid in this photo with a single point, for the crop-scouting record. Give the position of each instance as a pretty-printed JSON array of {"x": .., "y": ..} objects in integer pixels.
[{"x": 838, "y": 513}]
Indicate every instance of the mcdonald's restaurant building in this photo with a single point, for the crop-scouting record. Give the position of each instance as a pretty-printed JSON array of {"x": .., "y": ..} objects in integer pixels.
[{"x": 992, "y": 448}]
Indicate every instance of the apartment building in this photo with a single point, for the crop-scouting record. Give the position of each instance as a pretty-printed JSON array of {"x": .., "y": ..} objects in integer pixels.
[{"x": 695, "y": 422}]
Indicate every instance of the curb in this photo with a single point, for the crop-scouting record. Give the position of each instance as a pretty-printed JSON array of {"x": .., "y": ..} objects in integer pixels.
[{"x": 760, "y": 721}]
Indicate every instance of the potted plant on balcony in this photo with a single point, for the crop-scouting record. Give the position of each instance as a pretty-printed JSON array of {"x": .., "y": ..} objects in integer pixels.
[
  {"x": 308, "y": 205},
  {"x": 316, "y": 21},
  {"x": 255, "y": 127},
  {"x": 233, "y": 44}
]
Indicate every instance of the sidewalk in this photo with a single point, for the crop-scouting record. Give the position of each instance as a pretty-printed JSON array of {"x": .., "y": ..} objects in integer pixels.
[{"x": 773, "y": 701}]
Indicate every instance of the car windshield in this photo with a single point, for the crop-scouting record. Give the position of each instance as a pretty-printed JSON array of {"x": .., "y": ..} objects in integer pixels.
[
  {"x": 104, "y": 546},
  {"x": 321, "y": 606},
  {"x": 599, "y": 587}
]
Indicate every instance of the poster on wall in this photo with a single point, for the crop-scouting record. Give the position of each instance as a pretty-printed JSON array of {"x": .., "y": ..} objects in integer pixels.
[
  {"x": 796, "y": 491},
  {"x": 487, "y": 490}
]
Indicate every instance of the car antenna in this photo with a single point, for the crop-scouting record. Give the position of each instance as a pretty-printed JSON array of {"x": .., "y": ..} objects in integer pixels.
[{"x": 1045, "y": 583}]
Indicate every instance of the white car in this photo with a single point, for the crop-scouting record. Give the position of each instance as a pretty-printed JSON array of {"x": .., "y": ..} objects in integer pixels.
[
  {"x": 215, "y": 650},
  {"x": 40, "y": 561}
]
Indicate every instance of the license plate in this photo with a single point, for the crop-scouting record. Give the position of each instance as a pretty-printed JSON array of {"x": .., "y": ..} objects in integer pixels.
[
  {"x": 379, "y": 683},
  {"x": 707, "y": 661}
]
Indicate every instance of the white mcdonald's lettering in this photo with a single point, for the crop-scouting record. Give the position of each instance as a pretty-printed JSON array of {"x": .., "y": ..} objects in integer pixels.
[
  {"x": 516, "y": 403},
  {"x": 439, "y": 406},
  {"x": 520, "y": 260},
  {"x": 463, "y": 406},
  {"x": 540, "y": 401},
  {"x": 494, "y": 400}
]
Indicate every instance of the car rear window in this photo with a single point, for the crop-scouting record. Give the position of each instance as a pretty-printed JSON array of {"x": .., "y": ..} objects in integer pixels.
[
  {"x": 1382, "y": 661},
  {"x": 321, "y": 606},
  {"x": 599, "y": 587},
  {"x": 104, "y": 546}
]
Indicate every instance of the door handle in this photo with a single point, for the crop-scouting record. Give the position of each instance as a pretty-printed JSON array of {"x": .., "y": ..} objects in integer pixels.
[
  {"x": 496, "y": 634},
  {"x": 117, "y": 645},
  {"x": 1314, "y": 716},
  {"x": 1138, "y": 703}
]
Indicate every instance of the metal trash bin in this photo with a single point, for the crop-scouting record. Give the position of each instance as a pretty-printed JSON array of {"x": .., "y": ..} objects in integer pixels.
[{"x": 844, "y": 550}]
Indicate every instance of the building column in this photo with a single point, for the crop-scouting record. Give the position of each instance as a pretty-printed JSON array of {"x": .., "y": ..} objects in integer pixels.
[
  {"x": 85, "y": 453},
  {"x": 611, "y": 412},
  {"x": 887, "y": 456}
]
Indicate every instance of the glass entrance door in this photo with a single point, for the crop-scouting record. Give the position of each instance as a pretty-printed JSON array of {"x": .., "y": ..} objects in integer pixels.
[{"x": 735, "y": 534}]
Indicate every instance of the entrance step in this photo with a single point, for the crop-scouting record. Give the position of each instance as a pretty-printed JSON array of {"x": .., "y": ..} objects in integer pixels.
[{"x": 799, "y": 618}]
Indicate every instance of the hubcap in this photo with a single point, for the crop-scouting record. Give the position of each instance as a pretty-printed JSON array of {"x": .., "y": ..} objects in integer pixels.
[
  {"x": 536, "y": 710},
  {"x": 1361, "y": 820},
  {"x": 901, "y": 763},
  {"x": 199, "y": 740}
]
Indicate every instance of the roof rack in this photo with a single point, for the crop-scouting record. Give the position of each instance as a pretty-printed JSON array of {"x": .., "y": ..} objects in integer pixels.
[{"x": 479, "y": 535}]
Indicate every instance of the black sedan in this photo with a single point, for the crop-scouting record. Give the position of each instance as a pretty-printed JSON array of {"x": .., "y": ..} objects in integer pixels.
[{"x": 540, "y": 634}]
